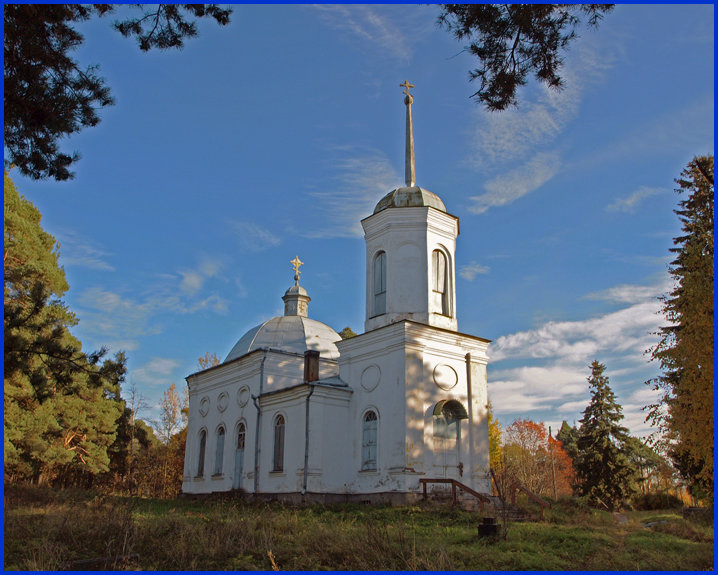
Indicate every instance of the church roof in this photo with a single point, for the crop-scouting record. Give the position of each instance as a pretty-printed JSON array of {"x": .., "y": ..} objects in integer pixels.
[
  {"x": 409, "y": 197},
  {"x": 292, "y": 333}
]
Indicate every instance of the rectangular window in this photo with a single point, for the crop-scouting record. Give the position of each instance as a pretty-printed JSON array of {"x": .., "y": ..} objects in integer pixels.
[
  {"x": 369, "y": 441},
  {"x": 219, "y": 455}
]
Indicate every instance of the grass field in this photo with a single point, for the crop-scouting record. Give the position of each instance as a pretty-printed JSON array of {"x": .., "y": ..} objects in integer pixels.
[{"x": 49, "y": 530}]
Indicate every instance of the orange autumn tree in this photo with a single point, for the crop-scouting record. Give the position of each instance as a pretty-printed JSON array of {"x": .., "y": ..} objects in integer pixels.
[{"x": 535, "y": 460}]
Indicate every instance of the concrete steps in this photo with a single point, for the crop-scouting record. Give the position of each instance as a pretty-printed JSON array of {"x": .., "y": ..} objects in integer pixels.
[{"x": 469, "y": 503}]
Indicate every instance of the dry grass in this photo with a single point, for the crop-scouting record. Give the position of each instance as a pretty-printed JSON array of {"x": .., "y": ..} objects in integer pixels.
[{"x": 49, "y": 530}]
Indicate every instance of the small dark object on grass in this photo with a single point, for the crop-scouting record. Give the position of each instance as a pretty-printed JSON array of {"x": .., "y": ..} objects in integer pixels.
[{"x": 489, "y": 528}]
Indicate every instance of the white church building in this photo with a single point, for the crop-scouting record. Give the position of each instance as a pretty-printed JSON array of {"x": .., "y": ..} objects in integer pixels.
[{"x": 297, "y": 413}]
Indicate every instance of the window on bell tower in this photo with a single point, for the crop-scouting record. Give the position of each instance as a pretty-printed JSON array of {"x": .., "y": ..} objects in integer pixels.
[
  {"x": 440, "y": 283},
  {"x": 380, "y": 283}
]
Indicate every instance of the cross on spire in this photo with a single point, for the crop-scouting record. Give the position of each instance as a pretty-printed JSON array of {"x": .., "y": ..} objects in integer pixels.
[
  {"x": 409, "y": 168},
  {"x": 407, "y": 86}
]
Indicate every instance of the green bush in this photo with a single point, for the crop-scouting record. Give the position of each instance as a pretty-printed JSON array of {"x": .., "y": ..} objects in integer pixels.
[{"x": 651, "y": 501}]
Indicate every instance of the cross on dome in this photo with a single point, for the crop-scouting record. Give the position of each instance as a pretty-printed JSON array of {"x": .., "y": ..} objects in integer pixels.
[{"x": 296, "y": 264}]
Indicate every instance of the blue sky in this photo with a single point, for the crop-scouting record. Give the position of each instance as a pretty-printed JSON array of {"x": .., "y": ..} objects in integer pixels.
[{"x": 273, "y": 136}]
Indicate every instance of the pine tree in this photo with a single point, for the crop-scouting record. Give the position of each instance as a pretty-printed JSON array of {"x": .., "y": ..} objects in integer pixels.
[
  {"x": 48, "y": 96},
  {"x": 512, "y": 41},
  {"x": 604, "y": 472},
  {"x": 61, "y": 405},
  {"x": 685, "y": 350}
]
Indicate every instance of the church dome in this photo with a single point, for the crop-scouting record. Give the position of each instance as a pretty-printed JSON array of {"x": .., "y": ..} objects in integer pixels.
[
  {"x": 409, "y": 197},
  {"x": 292, "y": 333}
]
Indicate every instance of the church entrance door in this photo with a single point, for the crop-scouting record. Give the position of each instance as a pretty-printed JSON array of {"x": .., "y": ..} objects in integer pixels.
[
  {"x": 447, "y": 438},
  {"x": 447, "y": 450},
  {"x": 239, "y": 457}
]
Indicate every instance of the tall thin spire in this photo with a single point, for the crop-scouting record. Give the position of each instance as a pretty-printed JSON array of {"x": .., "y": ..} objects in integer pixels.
[{"x": 410, "y": 171}]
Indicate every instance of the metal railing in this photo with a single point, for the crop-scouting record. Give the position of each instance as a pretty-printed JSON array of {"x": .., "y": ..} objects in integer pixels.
[{"x": 483, "y": 499}]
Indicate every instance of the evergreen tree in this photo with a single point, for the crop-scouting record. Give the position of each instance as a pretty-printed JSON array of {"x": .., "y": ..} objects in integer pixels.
[
  {"x": 685, "y": 350},
  {"x": 604, "y": 472},
  {"x": 568, "y": 436},
  {"x": 61, "y": 405}
]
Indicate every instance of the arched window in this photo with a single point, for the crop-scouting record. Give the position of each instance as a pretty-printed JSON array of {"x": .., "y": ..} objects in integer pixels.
[
  {"x": 380, "y": 283},
  {"x": 368, "y": 447},
  {"x": 278, "y": 443},
  {"x": 440, "y": 282},
  {"x": 202, "y": 446},
  {"x": 241, "y": 435},
  {"x": 219, "y": 454},
  {"x": 447, "y": 415}
]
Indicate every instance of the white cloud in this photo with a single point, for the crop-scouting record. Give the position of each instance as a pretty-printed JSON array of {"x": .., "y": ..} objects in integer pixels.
[
  {"x": 360, "y": 177},
  {"x": 369, "y": 25},
  {"x": 509, "y": 187},
  {"x": 78, "y": 251},
  {"x": 252, "y": 237},
  {"x": 191, "y": 281},
  {"x": 554, "y": 383},
  {"x": 470, "y": 271},
  {"x": 627, "y": 329},
  {"x": 630, "y": 203},
  {"x": 626, "y": 293},
  {"x": 158, "y": 371}
]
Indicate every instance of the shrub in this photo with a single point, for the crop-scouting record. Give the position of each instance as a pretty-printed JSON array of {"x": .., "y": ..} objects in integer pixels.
[{"x": 651, "y": 501}]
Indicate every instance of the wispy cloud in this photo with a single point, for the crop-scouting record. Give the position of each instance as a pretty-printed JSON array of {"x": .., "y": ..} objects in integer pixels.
[
  {"x": 252, "y": 237},
  {"x": 690, "y": 127},
  {"x": 630, "y": 203},
  {"x": 360, "y": 177},
  {"x": 193, "y": 280},
  {"x": 370, "y": 25},
  {"x": 511, "y": 137},
  {"x": 111, "y": 314},
  {"x": 470, "y": 271},
  {"x": 509, "y": 187},
  {"x": 79, "y": 251}
]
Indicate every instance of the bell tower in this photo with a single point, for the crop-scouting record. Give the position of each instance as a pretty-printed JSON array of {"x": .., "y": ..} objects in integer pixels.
[{"x": 410, "y": 244}]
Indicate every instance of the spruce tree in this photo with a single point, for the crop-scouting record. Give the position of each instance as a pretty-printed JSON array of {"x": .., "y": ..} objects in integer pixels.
[
  {"x": 685, "y": 350},
  {"x": 568, "y": 436},
  {"x": 604, "y": 473}
]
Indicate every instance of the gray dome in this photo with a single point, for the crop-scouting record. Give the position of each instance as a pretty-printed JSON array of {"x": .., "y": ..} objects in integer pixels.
[
  {"x": 409, "y": 198},
  {"x": 292, "y": 333},
  {"x": 296, "y": 290}
]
